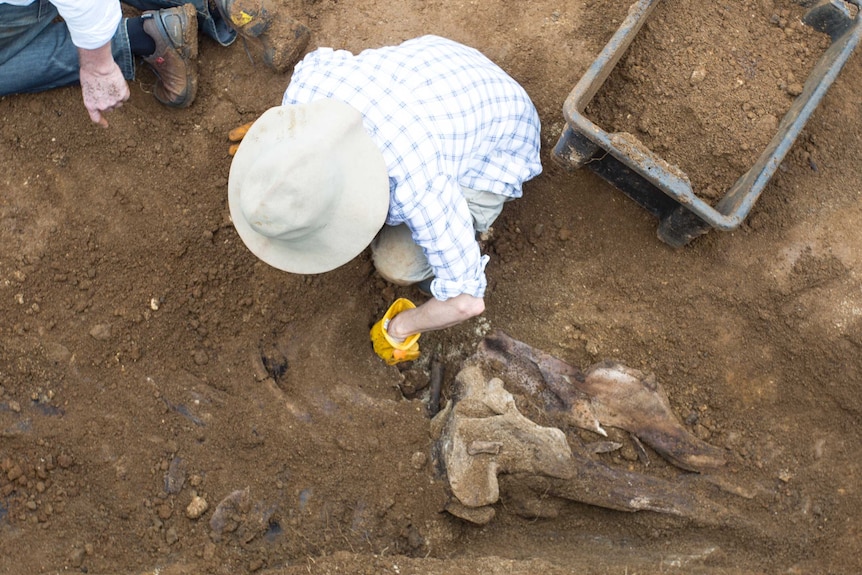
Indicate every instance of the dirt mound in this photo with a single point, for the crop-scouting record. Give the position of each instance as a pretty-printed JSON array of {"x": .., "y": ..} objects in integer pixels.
[{"x": 170, "y": 404}]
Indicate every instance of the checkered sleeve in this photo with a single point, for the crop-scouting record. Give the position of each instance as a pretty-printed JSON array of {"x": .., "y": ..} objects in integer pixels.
[{"x": 442, "y": 226}]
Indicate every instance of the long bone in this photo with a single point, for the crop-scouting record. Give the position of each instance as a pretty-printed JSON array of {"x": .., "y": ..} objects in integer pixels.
[
  {"x": 483, "y": 435},
  {"x": 608, "y": 393}
]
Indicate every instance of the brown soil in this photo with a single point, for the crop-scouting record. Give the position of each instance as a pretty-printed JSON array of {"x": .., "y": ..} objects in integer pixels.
[
  {"x": 710, "y": 83},
  {"x": 139, "y": 334}
]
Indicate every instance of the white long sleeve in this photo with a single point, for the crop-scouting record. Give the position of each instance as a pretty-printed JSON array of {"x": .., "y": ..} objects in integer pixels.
[{"x": 91, "y": 23}]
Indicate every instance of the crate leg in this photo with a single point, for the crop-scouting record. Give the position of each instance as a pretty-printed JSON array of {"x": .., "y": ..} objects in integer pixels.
[
  {"x": 679, "y": 226},
  {"x": 573, "y": 150}
]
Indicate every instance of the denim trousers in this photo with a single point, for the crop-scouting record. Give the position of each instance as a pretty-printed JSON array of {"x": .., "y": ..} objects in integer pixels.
[{"x": 37, "y": 53}]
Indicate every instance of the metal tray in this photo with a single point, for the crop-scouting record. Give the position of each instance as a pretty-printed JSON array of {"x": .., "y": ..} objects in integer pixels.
[{"x": 663, "y": 189}]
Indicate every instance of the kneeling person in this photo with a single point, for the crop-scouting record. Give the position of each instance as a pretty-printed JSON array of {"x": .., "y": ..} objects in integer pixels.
[{"x": 411, "y": 149}]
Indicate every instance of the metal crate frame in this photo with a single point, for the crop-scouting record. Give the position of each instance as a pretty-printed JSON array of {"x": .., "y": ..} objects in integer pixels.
[{"x": 654, "y": 184}]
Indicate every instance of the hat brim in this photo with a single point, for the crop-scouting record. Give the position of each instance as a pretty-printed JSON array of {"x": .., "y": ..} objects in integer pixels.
[{"x": 354, "y": 219}]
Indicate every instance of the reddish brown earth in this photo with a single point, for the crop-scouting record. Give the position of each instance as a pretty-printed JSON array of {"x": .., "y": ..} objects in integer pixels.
[{"x": 136, "y": 325}]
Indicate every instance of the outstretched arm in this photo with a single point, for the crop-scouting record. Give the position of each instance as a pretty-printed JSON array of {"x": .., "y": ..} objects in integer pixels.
[{"x": 435, "y": 314}]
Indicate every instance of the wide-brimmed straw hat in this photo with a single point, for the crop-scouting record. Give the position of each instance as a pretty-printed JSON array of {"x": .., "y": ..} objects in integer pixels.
[{"x": 308, "y": 187}]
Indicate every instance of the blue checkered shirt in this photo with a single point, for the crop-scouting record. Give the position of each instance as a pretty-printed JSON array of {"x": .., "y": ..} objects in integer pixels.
[{"x": 444, "y": 116}]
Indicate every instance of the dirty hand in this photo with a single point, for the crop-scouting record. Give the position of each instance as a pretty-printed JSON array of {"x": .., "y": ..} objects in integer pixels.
[
  {"x": 102, "y": 84},
  {"x": 236, "y": 135},
  {"x": 389, "y": 349}
]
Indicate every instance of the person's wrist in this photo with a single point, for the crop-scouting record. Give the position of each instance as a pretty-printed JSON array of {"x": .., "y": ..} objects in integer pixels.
[
  {"x": 100, "y": 69},
  {"x": 98, "y": 62}
]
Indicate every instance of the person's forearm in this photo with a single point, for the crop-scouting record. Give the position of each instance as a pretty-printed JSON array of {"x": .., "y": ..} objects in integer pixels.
[{"x": 435, "y": 314}]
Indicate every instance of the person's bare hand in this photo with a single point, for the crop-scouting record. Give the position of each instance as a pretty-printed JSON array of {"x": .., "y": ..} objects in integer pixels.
[{"x": 102, "y": 83}]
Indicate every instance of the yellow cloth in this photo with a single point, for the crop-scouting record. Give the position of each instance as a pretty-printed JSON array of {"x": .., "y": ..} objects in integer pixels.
[{"x": 390, "y": 350}]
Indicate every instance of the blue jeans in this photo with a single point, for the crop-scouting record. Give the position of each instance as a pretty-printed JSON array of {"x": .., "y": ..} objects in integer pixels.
[{"x": 36, "y": 50}]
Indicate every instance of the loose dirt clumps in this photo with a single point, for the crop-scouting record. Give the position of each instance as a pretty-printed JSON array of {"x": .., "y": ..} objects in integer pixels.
[{"x": 704, "y": 86}]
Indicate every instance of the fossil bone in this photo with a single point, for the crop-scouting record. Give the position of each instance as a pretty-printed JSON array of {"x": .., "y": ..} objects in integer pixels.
[{"x": 607, "y": 393}]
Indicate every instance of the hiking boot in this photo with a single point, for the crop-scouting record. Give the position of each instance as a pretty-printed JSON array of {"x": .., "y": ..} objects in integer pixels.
[
  {"x": 278, "y": 39},
  {"x": 175, "y": 31}
]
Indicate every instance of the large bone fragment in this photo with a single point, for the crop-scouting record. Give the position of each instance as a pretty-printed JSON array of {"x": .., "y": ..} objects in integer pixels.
[
  {"x": 606, "y": 394},
  {"x": 483, "y": 435},
  {"x": 487, "y": 435}
]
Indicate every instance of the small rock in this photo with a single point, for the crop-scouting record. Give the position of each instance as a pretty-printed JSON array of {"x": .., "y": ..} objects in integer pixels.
[
  {"x": 819, "y": 448},
  {"x": 197, "y": 507},
  {"x": 628, "y": 452},
  {"x": 767, "y": 123},
  {"x": 702, "y": 432},
  {"x": 171, "y": 536},
  {"x": 76, "y": 557},
  {"x": 14, "y": 473},
  {"x": 794, "y": 89},
  {"x": 101, "y": 332},
  {"x": 56, "y": 353},
  {"x": 164, "y": 511},
  {"x": 414, "y": 537},
  {"x": 175, "y": 477},
  {"x": 419, "y": 460},
  {"x": 697, "y": 76}
]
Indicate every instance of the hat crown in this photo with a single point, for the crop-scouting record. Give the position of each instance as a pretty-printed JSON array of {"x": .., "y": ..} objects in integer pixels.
[
  {"x": 288, "y": 208},
  {"x": 308, "y": 187}
]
